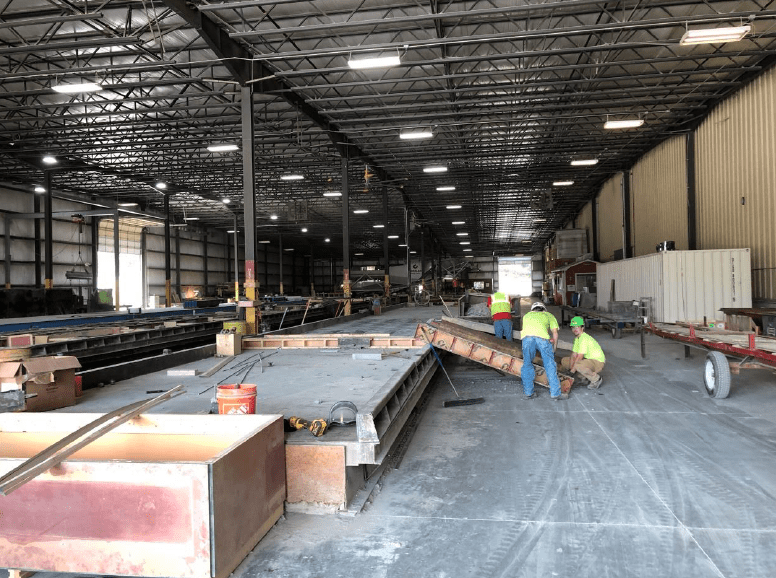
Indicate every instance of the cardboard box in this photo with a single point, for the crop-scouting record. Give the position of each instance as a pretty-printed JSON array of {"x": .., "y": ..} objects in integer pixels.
[
  {"x": 22, "y": 340},
  {"x": 51, "y": 378},
  {"x": 228, "y": 344}
]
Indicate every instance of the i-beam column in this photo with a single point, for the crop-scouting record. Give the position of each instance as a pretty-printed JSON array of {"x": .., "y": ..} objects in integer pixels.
[
  {"x": 346, "y": 236},
  {"x": 252, "y": 313},
  {"x": 167, "y": 250}
]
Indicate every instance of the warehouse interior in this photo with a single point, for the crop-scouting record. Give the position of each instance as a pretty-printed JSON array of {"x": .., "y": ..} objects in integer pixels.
[{"x": 317, "y": 199}]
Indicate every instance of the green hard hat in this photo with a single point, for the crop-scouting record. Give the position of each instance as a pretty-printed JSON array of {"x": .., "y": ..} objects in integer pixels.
[{"x": 577, "y": 322}]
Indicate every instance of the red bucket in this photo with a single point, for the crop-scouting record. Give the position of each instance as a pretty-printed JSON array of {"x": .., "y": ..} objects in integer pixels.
[{"x": 236, "y": 399}]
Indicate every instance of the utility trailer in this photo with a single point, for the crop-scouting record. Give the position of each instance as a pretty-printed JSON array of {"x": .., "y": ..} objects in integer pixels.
[
  {"x": 499, "y": 354},
  {"x": 616, "y": 321},
  {"x": 726, "y": 351}
]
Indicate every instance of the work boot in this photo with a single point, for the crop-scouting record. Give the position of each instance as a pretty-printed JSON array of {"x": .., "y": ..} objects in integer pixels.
[
  {"x": 579, "y": 380},
  {"x": 596, "y": 384},
  {"x": 533, "y": 395},
  {"x": 560, "y": 397}
]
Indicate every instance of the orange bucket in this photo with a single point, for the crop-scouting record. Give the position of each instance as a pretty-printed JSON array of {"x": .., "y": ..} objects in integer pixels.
[{"x": 236, "y": 398}]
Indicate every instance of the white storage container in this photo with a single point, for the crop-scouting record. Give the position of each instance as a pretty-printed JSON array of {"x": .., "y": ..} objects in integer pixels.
[{"x": 683, "y": 285}]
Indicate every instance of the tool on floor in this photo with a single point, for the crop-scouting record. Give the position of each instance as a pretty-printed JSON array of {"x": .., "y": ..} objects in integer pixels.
[
  {"x": 317, "y": 427},
  {"x": 446, "y": 307},
  {"x": 454, "y": 402}
]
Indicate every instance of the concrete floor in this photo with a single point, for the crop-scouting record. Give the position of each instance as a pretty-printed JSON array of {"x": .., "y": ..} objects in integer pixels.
[{"x": 646, "y": 477}]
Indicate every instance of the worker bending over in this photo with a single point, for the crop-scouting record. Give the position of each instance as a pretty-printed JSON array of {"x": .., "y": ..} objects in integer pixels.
[
  {"x": 501, "y": 311},
  {"x": 538, "y": 324},
  {"x": 588, "y": 358}
]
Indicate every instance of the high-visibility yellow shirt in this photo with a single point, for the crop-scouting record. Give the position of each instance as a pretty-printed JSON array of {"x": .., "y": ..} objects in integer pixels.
[
  {"x": 588, "y": 347},
  {"x": 499, "y": 303},
  {"x": 538, "y": 324}
]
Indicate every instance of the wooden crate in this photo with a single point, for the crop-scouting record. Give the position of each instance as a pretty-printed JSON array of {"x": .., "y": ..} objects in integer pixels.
[{"x": 162, "y": 495}]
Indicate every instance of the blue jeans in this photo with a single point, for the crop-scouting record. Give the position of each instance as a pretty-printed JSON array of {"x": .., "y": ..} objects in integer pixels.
[
  {"x": 527, "y": 373},
  {"x": 503, "y": 328}
]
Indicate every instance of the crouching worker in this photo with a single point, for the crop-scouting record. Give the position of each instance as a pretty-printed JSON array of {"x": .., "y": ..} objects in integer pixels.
[{"x": 588, "y": 358}]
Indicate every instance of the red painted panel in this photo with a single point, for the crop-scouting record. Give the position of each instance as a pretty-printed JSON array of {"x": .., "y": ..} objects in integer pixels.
[{"x": 52, "y": 510}]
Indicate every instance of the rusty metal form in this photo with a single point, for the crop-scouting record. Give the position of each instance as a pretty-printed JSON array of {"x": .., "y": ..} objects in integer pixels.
[
  {"x": 332, "y": 341},
  {"x": 485, "y": 349}
]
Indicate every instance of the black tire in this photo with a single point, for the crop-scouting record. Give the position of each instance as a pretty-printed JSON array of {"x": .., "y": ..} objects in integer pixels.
[
  {"x": 616, "y": 332},
  {"x": 716, "y": 375}
]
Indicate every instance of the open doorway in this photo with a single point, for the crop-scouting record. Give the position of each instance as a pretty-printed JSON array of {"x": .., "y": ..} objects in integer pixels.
[
  {"x": 514, "y": 276},
  {"x": 130, "y": 264}
]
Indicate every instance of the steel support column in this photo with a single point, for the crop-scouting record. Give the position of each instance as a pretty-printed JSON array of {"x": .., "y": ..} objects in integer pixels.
[
  {"x": 594, "y": 227},
  {"x": 387, "y": 287},
  {"x": 144, "y": 265},
  {"x": 48, "y": 228},
  {"x": 626, "y": 214},
  {"x": 236, "y": 261},
  {"x": 692, "y": 230},
  {"x": 167, "y": 250},
  {"x": 280, "y": 261},
  {"x": 204, "y": 265},
  {"x": 252, "y": 313},
  {"x": 346, "y": 235},
  {"x": 36, "y": 228},
  {"x": 178, "y": 288},
  {"x": 116, "y": 263},
  {"x": 7, "y": 263}
]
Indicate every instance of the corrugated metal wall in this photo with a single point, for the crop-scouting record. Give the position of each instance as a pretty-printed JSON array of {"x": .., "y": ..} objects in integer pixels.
[
  {"x": 735, "y": 152},
  {"x": 610, "y": 218},
  {"x": 683, "y": 285},
  {"x": 659, "y": 197},
  {"x": 585, "y": 221}
]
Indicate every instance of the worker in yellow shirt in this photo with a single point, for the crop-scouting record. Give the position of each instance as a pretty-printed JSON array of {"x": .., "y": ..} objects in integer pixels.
[
  {"x": 588, "y": 358},
  {"x": 540, "y": 333}
]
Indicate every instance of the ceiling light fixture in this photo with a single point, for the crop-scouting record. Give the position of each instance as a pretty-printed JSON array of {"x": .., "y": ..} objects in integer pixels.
[
  {"x": 304, "y": 229},
  {"x": 125, "y": 204},
  {"x": 562, "y": 183},
  {"x": 49, "y": 160},
  {"x": 466, "y": 250},
  {"x": 435, "y": 169},
  {"x": 222, "y": 147},
  {"x": 584, "y": 162},
  {"x": 459, "y": 222},
  {"x": 714, "y": 35},
  {"x": 358, "y": 254},
  {"x": 393, "y": 236},
  {"x": 416, "y": 134},
  {"x": 443, "y": 189},
  {"x": 226, "y": 201},
  {"x": 374, "y": 62},
  {"x": 402, "y": 244},
  {"x": 326, "y": 240},
  {"x": 540, "y": 220},
  {"x": 464, "y": 243},
  {"x": 360, "y": 211},
  {"x": 462, "y": 234},
  {"x": 39, "y": 189},
  {"x": 77, "y": 88},
  {"x": 160, "y": 186},
  {"x": 291, "y": 249},
  {"x": 191, "y": 218},
  {"x": 264, "y": 242},
  {"x": 332, "y": 194},
  {"x": 616, "y": 124},
  {"x": 378, "y": 226},
  {"x": 291, "y": 177},
  {"x": 453, "y": 206},
  {"x": 273, "y": 217},
  {"x": 232, "y": 231}
]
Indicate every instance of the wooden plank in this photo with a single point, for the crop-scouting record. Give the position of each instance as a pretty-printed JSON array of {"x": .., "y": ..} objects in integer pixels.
[
  {"x": 68, "y": 445},
  {"x": 210, "y": 372}
]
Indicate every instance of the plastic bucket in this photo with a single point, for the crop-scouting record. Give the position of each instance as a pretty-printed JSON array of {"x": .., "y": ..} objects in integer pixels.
[{"x": 236, "y": 398}]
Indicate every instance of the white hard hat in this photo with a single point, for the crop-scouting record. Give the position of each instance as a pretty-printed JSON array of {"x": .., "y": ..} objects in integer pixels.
[{"x": 538, "y": 306}]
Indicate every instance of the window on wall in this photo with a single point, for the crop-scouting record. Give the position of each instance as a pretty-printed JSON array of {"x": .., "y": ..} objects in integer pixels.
[
  {"x": 514, "y": 276},
  {"x": 130, "y": 261}
]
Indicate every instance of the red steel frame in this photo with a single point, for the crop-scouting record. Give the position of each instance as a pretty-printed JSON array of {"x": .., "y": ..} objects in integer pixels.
[{"x": 765, "y": 357}]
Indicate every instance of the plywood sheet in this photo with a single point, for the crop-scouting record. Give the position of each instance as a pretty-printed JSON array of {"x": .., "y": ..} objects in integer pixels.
[{"x": 316, "y": 474}]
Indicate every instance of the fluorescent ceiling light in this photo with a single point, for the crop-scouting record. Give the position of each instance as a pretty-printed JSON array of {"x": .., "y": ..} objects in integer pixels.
[
  {"x": 160, "y": 186},
  {"x": 332, "y": 194},
  {"x": 466, "y": 250},
  {"x": 222, "y": 148},
  {"x": 443, "y": 189},
  {"x": 49, "y": 160},
  {"x": 226, "y": 201},
  {"x": 264, "y": 242},
  {"x": 540, "y": 220},
  {"x": 464, "y": 243},
  {"x": 126, "y": 204},
  {"x": 435, "y": 169},
  {"x": 374, "y": 62},
  {"x": 453, "y": 206},
  {"x": 413, "y": 252},
  {"x": 459, "y": 222},
  {"x": 416, "y": 134},
  {"x": 291, "y": 177},
  {"x": 77, "y": 88},
  {"x": 327, "y": 240},
  {"x": 358, "y": 254},
  {"x": 378, "y": 226},
  {"x": 402, "y": 244},
  {"x": 469, "y": 256},
  {"x": 273, "y": 217},
  {"x": 360, "y": 211},
  {"x": 714, "y": 35},
  {"x": 232, "y": 231},
  {"x": 615, "y": 124},
  {"x": 291, "y": 249},
  {"x": 584, "y": 162},
  {"x": 562, "y": 183},
  {"x": 393, "y": 236},
  {"x": 40, "y": 189},
  {"x": 462, "y": 234},
  {"x": 304, "y": 229},
  {"x": 191, "y": 218}
]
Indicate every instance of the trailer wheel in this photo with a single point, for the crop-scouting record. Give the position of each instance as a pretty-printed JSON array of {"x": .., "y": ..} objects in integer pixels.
[
  {"x": 716, "y": 375},
  {"x": 616, "y": 332}
]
